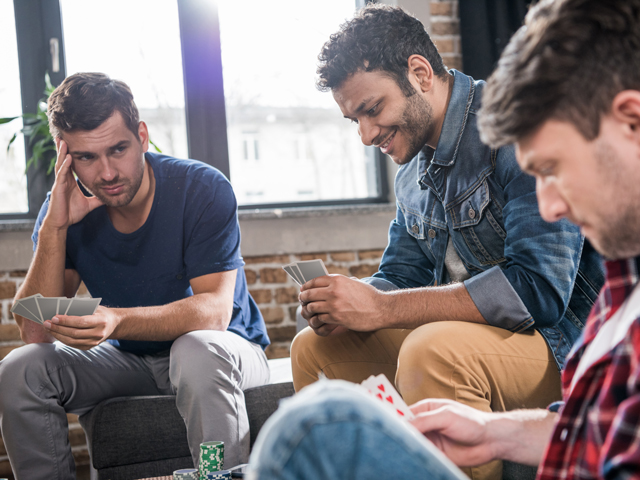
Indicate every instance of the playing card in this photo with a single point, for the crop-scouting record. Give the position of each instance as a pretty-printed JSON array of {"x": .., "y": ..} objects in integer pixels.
[
  {"x": 311, "y": 269},
  {"x": 21, "y": 310},
  {"x": 48, "y": 307},
  {"x": 80, "y": 307},
  {"x": 292, "y": 274},
  {"x": 30, "y": 304},
  {"x": 382, "y": 389},
  {"x": 63, "y": 305}
]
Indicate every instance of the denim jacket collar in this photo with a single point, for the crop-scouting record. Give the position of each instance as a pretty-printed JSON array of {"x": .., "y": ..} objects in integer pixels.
[{"x": 437, "y": 169}]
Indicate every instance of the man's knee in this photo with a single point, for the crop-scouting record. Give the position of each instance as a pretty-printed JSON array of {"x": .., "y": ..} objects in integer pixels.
[
  {"x": 196, "y": 355},
  {"x": 24, "y": 366},
  {"x": 302, "y": 348}
]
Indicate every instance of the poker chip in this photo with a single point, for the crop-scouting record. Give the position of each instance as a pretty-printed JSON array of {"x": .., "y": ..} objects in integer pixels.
[
  {"x": 211, "y": 459},
  {"x": 219, "y": 475},
  {"x": 186, "y": 474}
]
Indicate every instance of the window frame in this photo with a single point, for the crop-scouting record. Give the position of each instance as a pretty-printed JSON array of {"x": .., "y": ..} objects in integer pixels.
[{"x": 37, "y": 21}]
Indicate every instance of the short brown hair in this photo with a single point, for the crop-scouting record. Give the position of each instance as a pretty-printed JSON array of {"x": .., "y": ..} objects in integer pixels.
[
  {"x": 568, "y": 62},
  {"x": 84, "y": 101}
]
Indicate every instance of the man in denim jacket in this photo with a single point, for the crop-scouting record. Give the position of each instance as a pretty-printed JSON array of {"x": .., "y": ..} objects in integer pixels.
[{"x": 477, "y": 298}]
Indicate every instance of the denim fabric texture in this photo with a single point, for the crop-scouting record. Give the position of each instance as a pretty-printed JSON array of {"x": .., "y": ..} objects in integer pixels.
[
  {"x": 333, "y": 430},
  {"x": 525, "y": 272}
]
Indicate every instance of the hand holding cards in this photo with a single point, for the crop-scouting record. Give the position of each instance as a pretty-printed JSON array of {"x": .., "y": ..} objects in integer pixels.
[
  {"x": 39, "y": 309},
  {"x": 382, "y": 389},
  {"x": 305, "y": 270}
]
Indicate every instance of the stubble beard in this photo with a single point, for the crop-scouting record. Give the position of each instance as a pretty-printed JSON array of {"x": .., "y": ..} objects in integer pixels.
[
  {"x": 131, "y": 187},
  {"x": 416, "y": 123},
  {"x": 619, "y": 235}
]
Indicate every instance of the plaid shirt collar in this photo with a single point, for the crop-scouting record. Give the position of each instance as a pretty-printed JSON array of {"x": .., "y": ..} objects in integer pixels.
[{"x": 590, "y": 434}]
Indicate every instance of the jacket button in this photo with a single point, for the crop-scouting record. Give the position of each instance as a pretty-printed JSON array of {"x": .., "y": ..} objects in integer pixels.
[
  {"x": 472, "y": 213},
  {"x": 415, "y": 229},
  {"x": 432, "y": 233}
]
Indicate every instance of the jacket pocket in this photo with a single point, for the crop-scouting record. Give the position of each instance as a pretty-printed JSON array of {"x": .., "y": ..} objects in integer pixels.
[{"x": 478, "y": 218}]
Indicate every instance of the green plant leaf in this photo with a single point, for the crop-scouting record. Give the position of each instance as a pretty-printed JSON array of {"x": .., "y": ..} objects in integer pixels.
[
  {"x": 7, "y": 119},
  {"x": 155, "y": 146},
  {"x": 11, "y": 141},
  {"x": 48, "y": 87}
]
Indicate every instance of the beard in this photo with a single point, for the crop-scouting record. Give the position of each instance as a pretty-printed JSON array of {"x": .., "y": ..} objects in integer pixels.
[
  {"x": 130, "y": 188},
  {"x": 417, "y": 124},
  {"x": 619, "y": 234}
]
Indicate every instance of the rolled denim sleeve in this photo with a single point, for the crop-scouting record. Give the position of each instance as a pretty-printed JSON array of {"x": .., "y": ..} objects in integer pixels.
[
  {"x": 404, "y": 263},
  {"x": 534, "y": 285}
]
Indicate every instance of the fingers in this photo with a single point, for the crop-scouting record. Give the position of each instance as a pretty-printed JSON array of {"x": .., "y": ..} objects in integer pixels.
[
  {"x": 61, "y": 147},
  {"x": 319, "y": 282},
  {"x": 431, "y": 404},
  {"x": 433, "y": 421}
]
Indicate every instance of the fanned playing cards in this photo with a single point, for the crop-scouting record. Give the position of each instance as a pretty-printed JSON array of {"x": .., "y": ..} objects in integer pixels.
[
  {"x": 305, "y": 270},
  {"x": 39, "y": 309},
  {"x": 381, "y": 388}
]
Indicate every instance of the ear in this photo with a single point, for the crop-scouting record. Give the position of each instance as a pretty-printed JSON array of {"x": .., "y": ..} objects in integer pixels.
[
  {"x": 143, "y": 134},
  {"x": 420, "y": 73},
  {"x": 625, "y": 108}
]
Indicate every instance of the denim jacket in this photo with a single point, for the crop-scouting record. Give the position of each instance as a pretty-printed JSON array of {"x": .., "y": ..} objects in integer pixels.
[{"x": 525, "y": 273}]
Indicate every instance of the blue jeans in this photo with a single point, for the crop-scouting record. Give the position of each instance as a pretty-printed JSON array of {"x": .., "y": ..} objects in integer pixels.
[{"x": 333, "y": 430}]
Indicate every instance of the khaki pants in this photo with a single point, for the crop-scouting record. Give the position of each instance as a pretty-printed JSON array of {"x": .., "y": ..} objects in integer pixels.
[{"x": 486, "y": 367}]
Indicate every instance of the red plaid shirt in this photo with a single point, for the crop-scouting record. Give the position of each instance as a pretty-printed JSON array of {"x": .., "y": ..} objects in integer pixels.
[{"x": 598, "y": 431}]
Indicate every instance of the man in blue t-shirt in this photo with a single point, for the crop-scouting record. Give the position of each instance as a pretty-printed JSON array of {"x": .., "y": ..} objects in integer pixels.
[{"x": 158, "y": 240}]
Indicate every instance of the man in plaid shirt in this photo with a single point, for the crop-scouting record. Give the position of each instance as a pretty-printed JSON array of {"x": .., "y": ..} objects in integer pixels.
[{"x": 567, "y": 92}]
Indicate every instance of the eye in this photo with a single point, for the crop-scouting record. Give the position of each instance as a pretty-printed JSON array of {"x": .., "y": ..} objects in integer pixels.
[
  {"x": 372, "y": 111},
  {"x": 354, "y": 120}
]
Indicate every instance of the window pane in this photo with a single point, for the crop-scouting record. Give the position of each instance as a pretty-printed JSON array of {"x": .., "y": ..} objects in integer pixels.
[
  {"x": 13, "y": 181},
  {"x": 288, "y": 142},
  {"x": 137, "y": 42}
]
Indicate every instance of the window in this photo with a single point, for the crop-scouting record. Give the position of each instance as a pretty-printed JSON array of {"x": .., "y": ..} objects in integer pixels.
[
  {"x": 13, "y": 181},
  {"x": 279, "y": 140}
]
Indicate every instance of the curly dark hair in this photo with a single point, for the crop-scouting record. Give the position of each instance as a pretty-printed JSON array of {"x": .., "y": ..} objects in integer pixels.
[
  {"x": 84, "y": 101},
  {"x": 567, "y": 63},
  {"x": 379, "y": 37}
]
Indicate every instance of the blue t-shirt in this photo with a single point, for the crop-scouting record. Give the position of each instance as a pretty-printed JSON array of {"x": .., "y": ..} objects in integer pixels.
[{"x": 192, "y": 230}]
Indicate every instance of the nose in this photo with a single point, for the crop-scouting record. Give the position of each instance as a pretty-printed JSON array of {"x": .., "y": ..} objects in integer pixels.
[
  {"x": 367, "y": 131},
  {"x": 551, "y": 204},
  {"x": 107, "y": 170}
]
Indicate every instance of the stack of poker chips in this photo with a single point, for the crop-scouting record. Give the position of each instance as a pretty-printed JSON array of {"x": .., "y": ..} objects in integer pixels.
[
  {"x": 211, "y": 459},
  {"x": 186, "y": 474},
  {"x": 219, "y": 475}
]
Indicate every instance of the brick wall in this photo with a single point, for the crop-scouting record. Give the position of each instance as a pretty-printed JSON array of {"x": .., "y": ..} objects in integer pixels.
[
  {"x": 275, "y": 293},
  {"x": 445, "y": 32}
]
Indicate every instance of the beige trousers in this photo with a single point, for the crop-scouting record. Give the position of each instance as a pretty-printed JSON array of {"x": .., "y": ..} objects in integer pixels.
[{"x": 486, "y": 367}]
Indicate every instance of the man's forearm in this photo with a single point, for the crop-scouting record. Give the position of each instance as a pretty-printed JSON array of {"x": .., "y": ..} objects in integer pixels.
[
  {"x": 204, "y": 311},
  {"x": 45, "y": 276},
  {"x": 521, "y": 435},
  {"x": 418, "y": 306}
]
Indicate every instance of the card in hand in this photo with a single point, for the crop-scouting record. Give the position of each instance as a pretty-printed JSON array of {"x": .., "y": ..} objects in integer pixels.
[
  {"x": 80, "y": 307},
  {"x": 382, "y": 389},
  {"x": 39, "y": 309},
  {"x": 306, "y": 270},
  {"x": 28, "y": 308}
]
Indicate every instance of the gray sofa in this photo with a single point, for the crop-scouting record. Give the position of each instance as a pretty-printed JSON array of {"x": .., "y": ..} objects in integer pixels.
[{"x": 139, "y": 437}]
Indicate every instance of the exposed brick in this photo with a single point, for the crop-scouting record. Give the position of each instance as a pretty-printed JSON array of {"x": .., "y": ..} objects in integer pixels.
[
  {"x": 18, "y": 273},
  {"x": 281, "y": 334},
  {"x": 4, "y": 351},
  {"x": 292, "y": 313},
  {"x": 252, "y": 277},
  {"x": 7, "y": 289},
  {"x": 338, "y": 269},
  {"x": 261, "y": 296},
  {"x": 76, "y": 437},
  {"x": 287, "y": 295},
  {"x": 362, "y": 271},
  {"x": 280, "y": 259},
  {"x": 453, "y": 61},
  {"x": 441, "y": 8},
  {"x": 82, "y": 290},
  {"x": 9, "y": 333},
  {"x": 272, "y": 314},
  {"x": 445, "y": 28},
  {"x": 273, "y": 275},
  {"x": 313, "y": 256},
  {"x": 277, "y": 351},
  {"x": 445, "y": 45},
  {"x": 72, "y": 419},
  {"x": 343, "y": 256},
  {"x": 5, "y": 468},
  {"x": 81, "y": 457},
  {"x": 367, "y": 254}
]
